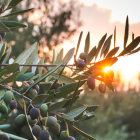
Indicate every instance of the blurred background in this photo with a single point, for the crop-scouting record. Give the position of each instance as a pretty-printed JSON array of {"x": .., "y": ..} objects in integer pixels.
[{"x": 58, "y": 23}]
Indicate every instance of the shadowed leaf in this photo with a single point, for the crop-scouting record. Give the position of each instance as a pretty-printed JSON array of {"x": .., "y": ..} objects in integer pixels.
[
  {"x": 112, "y": 52},
  {"x": 115, "y": 37},
  {"x": 100, "y": 44},
  {"x": 126, "y": 32},
  {"x": 106, "y": 45},
  {"x": 130, "y": 47},
  {"x": 91, "y": 54},
  {"x": 87, "y": 43}
]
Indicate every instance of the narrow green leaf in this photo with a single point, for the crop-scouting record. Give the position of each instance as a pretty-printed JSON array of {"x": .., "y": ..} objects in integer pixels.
[
  {"x": 24, "y": 77},
  {"x": 107, "y": 50},
  {"x": 30, "y": 59},
  {"x": 74, "y": 113},
  {"x": 25, "y": 54},
  {"x": 78, "y": 44},
  {"x": 91, "y": 54},
  {"x": 14, "y": 136},
  {"x": 87, "y": 115},
  {"x": 106, "y": 45},
  {"x": 16, "y": 13},
  {"x": 54, "y": 56},
  {"x": 85, "y": 135},
  {"x": 4, "y": 126},
  {"x": 69, "y": 55},
  {"x": 59, "y": 57},
  {"x": 3, "y": 49},
  {"x": 40, "y": 68},
  {"x": 13, "y": 3},
  {"x": 44, "y": 76},
  {"x": 63, "y": 78},
  {"x": 35, "y": 62},
  {"x": 115, "y": 37},
  {"x": 92, "y": 108},
  {"x": 112, "y": 52},
  {"x": 100, "y": 44},
  {"x": 11, "y": 68},
  {"x": 87, "y": 43},
  {"x": 38, "y": 100},
  {"x": 126, "y": 32},
  {"x": 57, "y": 106},
  {"x": 6, "y": 57},
  {"x": 10, "y": 78},
  {"x": 65, "y": 90},
  {"x": 2, "y": 73},
  {"x": 75, "y": 93},
  {"x": 130, "y": 47},
  {"x": 12, "y": 24},
  {"x": 4, "y": 27}
]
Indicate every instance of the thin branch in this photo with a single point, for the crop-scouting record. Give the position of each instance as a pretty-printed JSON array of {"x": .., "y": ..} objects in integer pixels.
[{"x": 15, "y": 92}]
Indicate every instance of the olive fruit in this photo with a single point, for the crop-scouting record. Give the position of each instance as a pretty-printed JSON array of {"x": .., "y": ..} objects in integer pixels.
[
  {"x": 56, "y": 129},
  {"x": 12, "y": 104},
  {"x": 4, "y": 136},
  {"x": 2, "y": 35},
  {"x": 3, "y": 109},
  {"x": 83, "y": 55},
  {"x": 25, "y": 88},
  {"x": 33, "y": 91},
  {"x": 51, "y": 121},
  {"x": 20, "y": 119},
  {"x": 63, "y": 135},
  {"x": 91, "y": 83},
  {"x": 56, "y": 86},
  {"x": 70, "y": 138},
  {"x": 36, "y": 87},
  {"x": 81, "y": 63},
  {"x": 102, "y": 88},
  {"x": 44, "y": 121},
  {"x": 34, "y": 113},
  {"x": 31, "y": 122},
  {"x": 44, "y": 108},
  {"x": 8, "y": 97},
  {"x": 44, "y": 135},
  {"x": 36, "y": 130}
]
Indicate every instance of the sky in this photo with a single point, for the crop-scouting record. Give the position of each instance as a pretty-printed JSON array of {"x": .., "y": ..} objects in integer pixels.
[{"x": 100, "y": 17}]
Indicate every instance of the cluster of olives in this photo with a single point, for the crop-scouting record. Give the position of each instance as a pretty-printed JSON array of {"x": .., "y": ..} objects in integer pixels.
[
  {"x": 101, "y": 87},
  {"x": 7, "y": 101},
  {"x": 50, "y": 122},
  {"x": 33, "y": 90}
]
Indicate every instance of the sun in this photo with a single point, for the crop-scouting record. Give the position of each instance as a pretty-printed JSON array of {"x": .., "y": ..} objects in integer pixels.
[{"x": 106, "y": 69}]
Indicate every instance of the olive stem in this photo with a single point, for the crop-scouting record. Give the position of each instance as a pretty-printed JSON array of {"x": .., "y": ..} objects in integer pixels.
[{"x": 15, "y": 92}]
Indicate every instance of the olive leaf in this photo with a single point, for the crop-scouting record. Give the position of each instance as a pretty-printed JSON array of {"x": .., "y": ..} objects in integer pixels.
[{"x": 126, "y": 32}]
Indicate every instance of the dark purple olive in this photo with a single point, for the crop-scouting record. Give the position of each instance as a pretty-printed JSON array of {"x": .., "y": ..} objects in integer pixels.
[
  {"x": 102, "y": 88},
  {"x": 34, "y": 113},
  {"x": 56, "y": 86},
  {"x": 4, "y": 136},
  {"x": 36, "y": 130},
  {"x": 12, "y": 104},
  {"x": 36, "y": 87},
  {"x": 25, "y": 88},
  {"x": 70, "y": 138},
  {"x": 44, "y": 135},
  {"x": 91, "y": 83},
  {"x": 33, "y": 91},
  {"x": 0, "y": 38},
  {"x": 81, "y": 63},
  {"x": 2, "y": 35}
]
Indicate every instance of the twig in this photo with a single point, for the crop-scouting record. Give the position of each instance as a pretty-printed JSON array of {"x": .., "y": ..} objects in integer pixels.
[{"x": 17, "y": 93}]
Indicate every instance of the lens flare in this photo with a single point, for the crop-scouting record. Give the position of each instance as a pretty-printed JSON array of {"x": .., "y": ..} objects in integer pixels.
[{"x": 107, "y": 69}]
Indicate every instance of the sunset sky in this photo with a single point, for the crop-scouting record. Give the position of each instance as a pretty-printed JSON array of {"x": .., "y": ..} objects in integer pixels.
[{"x": 100, "y": 17}]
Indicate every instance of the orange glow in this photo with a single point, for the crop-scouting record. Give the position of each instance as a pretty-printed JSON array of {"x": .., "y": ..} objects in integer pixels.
[{"x": 107, "y": 69}]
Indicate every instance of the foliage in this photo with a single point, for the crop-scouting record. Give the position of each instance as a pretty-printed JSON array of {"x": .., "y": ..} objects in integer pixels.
[{"x": 57, "y": 103}]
